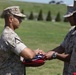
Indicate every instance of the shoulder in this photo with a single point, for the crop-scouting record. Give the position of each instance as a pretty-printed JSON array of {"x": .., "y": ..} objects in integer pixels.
[
  {"x": 9, "y": 33},
  {"x": 8, "y": 30},
  {"x": 9, "y": 36},
  {"x": 73, "y": 27}
]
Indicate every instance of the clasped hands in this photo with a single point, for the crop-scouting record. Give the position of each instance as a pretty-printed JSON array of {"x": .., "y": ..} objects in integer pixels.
[{"x": 47, "y": 55}]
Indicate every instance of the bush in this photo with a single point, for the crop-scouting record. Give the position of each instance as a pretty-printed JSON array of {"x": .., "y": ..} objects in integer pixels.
[
  {"x": 22, "y": 11},
  {"x": 58, "y": 17},
  {"x": 31, "y": 17},
  {"x": 65, "y": 20},
  {"x": 49, "y": 18},
  {"x": 40, "y": 16}
]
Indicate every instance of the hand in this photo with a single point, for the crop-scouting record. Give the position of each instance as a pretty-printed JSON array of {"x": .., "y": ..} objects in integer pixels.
[
  {"x": 38, "y": 51},
  {"x": 49, "y": 55}
]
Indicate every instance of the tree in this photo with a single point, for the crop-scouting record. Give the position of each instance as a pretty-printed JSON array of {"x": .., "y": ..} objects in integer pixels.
[
  {"x": 65, "y": 19},
  {"x": 40, "y": 16},
  {"x": 31, "y": 17},
  {"x": 58, "y": 17},
  {"x": 49, "y": 18},
  {"x": 22, "y": 11},
  {"x": 52, "y": 2}
]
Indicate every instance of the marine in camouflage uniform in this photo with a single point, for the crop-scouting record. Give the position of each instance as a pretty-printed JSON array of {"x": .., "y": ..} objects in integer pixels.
[{"x": 11, "y": 46}]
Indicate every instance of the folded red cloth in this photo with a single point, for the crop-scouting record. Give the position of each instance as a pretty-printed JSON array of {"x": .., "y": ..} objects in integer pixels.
[
  {"x": 74, "y": 73},
  {"x": 39, "y": 60}
]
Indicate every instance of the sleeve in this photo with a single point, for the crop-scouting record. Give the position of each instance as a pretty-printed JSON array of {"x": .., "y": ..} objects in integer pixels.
[
  {"x": 19, "y": 46},
  {"x": 64, "y": 43},
  {"x": 15, "y": 44}
]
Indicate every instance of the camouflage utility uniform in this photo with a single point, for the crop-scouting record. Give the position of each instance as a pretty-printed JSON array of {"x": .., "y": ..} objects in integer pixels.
[
  {"x": 10, "y": 48},
  {"x": 69, "y": 44}
]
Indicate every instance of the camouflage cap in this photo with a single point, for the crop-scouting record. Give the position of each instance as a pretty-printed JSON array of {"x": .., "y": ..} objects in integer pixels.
[{"x": 15, "y": 10}]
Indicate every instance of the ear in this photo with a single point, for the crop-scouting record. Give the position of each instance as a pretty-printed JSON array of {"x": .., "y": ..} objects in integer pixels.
[{"x": 10, "y": 18}]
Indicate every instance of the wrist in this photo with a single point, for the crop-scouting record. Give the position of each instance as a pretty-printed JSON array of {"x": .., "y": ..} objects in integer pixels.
[{"x": 54, "y": 55}]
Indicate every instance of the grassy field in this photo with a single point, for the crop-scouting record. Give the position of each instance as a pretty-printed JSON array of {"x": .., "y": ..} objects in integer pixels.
[{"x": 46, "y": 36}]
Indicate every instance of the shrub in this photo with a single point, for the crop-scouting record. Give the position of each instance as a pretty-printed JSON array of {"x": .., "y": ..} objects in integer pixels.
[
  {"x": 31, "y": 16},
  {"x": 58, "y": 17},
  {"x": 65, "y": 20},
  {"x": 40, "y": 16},
  {"x": 49, "y": 18},
  {"x": 22, "y": 11}
]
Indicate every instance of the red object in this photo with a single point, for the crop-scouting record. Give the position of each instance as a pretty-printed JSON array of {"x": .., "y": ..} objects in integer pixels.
[
  {"x": 34, "y": 63},
  {"x": 39, "y": 60},
  {"x": 74, "y": 73}
]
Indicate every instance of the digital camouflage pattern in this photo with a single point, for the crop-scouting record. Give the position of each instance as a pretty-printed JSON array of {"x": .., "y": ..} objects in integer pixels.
[
  {"x": 15, "y": 10},
  {"x": 10, "y": 47},
  {"x": 69, "y": 44}
]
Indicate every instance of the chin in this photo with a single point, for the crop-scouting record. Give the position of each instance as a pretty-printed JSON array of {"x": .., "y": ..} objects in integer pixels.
[{"x": 16, "y": 27}]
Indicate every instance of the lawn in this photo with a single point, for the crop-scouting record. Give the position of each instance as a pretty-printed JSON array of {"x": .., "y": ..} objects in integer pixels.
[{"x": 46, "y": 36}]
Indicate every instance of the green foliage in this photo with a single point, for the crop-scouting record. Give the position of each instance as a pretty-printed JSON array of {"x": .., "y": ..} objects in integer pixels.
[
  {"x": 40, "y": 16},
  {"x": 1, "y": 15},
  {"x": 65, "y": 20},
  {"x": 22, "y": 11},
  {"x": 31, "y": 16},
  {"x": 58, "y": 17},
  {"x": 49, "y": 18}
]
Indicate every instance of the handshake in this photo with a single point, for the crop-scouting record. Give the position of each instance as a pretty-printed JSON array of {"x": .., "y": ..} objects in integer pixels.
[{"x": 39, "y": 59}]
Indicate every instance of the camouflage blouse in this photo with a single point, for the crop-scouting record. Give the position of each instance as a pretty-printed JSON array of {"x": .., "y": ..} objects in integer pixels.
[{"x": 10, "y": 48}]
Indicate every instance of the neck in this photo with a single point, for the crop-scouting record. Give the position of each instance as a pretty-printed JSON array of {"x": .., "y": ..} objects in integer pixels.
[{"x": 9, "y": 25}]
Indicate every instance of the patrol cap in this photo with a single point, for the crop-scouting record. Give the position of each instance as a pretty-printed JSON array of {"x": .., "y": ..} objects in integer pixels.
[
  {"x": 14, "y": 10},
  {"x": 71, "y": 9}
]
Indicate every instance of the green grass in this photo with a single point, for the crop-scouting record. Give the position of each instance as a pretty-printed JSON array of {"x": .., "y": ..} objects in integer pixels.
[
  {"x": 42, "y": 33},
  {"x": 46, "y": 36}
]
